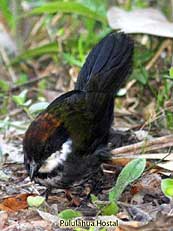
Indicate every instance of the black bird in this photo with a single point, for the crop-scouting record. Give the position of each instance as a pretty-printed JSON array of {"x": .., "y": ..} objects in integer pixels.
[{"x": 66, "y": 144}]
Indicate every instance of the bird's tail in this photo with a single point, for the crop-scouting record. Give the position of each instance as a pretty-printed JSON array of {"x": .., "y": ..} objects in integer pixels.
[
  {"x": 105, "y": 70},
  {"x": 107, "y": 65}
]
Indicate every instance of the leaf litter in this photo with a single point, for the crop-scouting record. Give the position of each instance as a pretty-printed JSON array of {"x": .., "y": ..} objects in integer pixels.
[{"x": 140, "y": 202}]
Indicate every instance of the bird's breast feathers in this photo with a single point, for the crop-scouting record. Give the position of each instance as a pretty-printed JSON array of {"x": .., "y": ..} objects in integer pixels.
[{"x": 57, "y": 158}]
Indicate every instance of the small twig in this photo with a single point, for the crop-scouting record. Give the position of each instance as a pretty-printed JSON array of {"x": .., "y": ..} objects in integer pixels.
[
  {"x": 37, "y": 26},
  {"x": 7, "y": 62},
  {"x": 151, "y": 120},
  {"x": 108, "y": 171},
  {"x": 25, "y": 185},
  {"x": 159, "y": 115},
  {"x": 151, "y": 156},
  {"x": 166, "y": 157},
  {"x": 145, "y": 146},
  {"x": 30, "y": 82},
  {"x": 34, "y": 189},
  {"x": 164, "y": 45},
  {"x": 12, "y": 113}
]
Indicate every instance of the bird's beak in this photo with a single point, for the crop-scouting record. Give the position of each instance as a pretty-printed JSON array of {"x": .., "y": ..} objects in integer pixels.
[{"x": 33, "y": 170}]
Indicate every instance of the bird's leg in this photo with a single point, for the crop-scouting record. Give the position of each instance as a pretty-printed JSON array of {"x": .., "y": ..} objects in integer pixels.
[
  {"x": 118, "y": 138},
  {"x": 103, "y": 153},
  {"x": 46, "y": 192}
]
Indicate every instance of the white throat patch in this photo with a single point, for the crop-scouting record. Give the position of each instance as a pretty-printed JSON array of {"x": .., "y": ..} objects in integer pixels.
[{"x": 56, "y": 158}]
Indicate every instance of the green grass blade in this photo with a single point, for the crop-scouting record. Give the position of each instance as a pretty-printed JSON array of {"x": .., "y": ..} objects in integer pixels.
[
  {"x": 4, "y": 7},
  {"x": 68, "y": 7},
  {"x": 35, "y": 52}
]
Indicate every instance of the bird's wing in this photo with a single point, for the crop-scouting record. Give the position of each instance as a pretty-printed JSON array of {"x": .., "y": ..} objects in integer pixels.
[
  {"x": 66, "y": 117},
  {"x": 72, "y": 112}
]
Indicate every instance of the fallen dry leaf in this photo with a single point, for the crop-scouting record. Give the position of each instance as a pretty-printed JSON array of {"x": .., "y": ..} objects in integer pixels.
[
  {"x": 145, "y": 21},
  {"x": 5, "y": 208},
  {"x": 13, "y": 204},
  {"x": 149, "y": 183},
  {"x": 33, "y": 225},
  {"x": 168, "y": 165},
  {"x": 10, "y": 152},
  {"x": 48, "y": 217},
  {"x": 3, "y": 219},
  {"x": 149, "y": 111}
]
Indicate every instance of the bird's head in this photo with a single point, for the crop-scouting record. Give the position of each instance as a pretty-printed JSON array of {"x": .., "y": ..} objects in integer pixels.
[
  {"x": 40, "y": 142},
  {"x": 32, "y": 167}
]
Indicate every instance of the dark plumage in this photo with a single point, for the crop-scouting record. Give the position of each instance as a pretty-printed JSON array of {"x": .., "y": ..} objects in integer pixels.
[{"x": 66, "y": 144}]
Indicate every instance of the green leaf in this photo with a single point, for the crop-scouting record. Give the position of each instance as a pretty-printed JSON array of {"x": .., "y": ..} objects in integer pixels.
[
  {"x": 17, "y": 100},
  {"x": 171, "y": 72},
  {"x": 5, "y": 9},
  {"x": 35, "y": 201},
  {"x": 93, "y": 198},
  {"x": 21, "y": 98},
  {"x": 23, "y": 78},
  {"x": 72, "y": 60},
  {"x": 69, "y": 214},
  {"x": 35, "y": 52},
  {"x": 110, "y": 209},
  {"x": 167, "y": 187},
  {"x": 95, "y": 5},
  {"x": 4, "y": 86},
  {"x": 68, "y": 7},
  {"x": 38, "y": 107},
  {"x": 42, "y": 84},
  {"x": 130, "y": 172},
  {"x": 4, "y": 123},
  {"x": 141, "y": 75},
  {"x": 169, "y": 119}
]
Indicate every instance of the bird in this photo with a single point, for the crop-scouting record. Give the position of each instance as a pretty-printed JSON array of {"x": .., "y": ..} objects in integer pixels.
[{"x": 65, "y": 145}]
